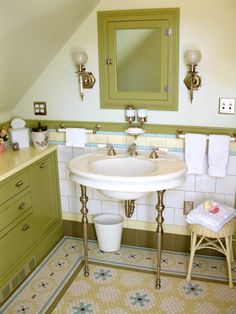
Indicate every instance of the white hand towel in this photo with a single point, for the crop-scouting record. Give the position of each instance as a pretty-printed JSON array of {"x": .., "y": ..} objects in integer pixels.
[
  {"x": 218, "y": 155},
  {"x": 215, "y": 222},
  {"x": 195, "y": 151},
  {"x": 75, "y": 137}
]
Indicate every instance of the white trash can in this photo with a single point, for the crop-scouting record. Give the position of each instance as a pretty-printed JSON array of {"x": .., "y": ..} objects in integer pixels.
[{"x": 109, "y": 231}]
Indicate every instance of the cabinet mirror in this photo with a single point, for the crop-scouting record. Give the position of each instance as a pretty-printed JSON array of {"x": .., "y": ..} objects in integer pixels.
[{"x": 138, "y": 58}]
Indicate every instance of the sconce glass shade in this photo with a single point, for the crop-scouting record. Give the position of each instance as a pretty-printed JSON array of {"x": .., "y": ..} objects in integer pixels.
[
  {"x": 130, "y": 111},
  {"x": 142, "y": 113},
  {"x": 80, "y": 57},
  {"x": 192, "y": 57}
]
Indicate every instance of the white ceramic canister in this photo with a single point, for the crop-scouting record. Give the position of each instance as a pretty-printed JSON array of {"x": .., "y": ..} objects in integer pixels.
[{"x": 40, "y": 139}]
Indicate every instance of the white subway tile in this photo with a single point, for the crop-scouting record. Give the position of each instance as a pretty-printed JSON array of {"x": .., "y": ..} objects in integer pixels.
[
  {"x": 94, "y": 207},
  {"x": 215, "y": 197},
  {"x": 64, "y": 153},
  {"x": 189, "y": 184},
  {"x": 226, "y": 185},
  {"x": 74, "y": 204},
  {"x": 67, "y": 188},
  {"x": 169, "y": 216},
  {"x": 155, "y": 141},
  {"x": 63, "y": 170},
  {"x": 116, "y": 139},
  {"x": 195, "y": 197},
  {"x": 180, "y": 219},
  {"x": 205, "y": 183},
  {"x": 231, "y": 169},
  {"x": 65, "y": 203},
  {"x": 229, "y": 200},
  {"x": 173, "y": 198},
  {"x": 146, "y": 213},
  {"x": 110, "y": 207},
  {"x": 98, "y": 138}
]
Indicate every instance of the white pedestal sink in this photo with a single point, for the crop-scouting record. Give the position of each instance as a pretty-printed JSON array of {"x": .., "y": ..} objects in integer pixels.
[{"x": 127, "y": 178}]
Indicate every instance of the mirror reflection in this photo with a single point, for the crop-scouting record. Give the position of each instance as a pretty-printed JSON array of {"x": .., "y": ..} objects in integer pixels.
[{"x": 138, "y": 55}]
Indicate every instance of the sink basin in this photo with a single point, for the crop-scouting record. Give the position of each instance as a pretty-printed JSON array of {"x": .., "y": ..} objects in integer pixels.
[{"x": 127, "y": 178}]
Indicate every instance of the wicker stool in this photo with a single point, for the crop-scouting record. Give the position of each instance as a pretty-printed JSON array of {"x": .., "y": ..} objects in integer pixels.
[{"x": 221, "y": 241}]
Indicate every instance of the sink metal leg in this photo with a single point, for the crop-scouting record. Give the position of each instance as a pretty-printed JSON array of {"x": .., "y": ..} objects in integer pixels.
[
  {"x": 159, "y": 207},
  {"x": 84, "y": 212}
]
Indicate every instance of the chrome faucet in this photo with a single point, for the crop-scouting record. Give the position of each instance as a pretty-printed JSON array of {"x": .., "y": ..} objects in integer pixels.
[
  {"x": 110, "y": 150},
  {"x": 132, "y": 150}
]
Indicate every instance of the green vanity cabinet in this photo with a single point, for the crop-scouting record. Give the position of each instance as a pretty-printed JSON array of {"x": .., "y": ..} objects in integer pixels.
[{"x": 30, "y": 217}]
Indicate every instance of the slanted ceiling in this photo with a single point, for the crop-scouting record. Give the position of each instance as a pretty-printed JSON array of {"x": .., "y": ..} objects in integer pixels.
[{"x": 31, "y": 34}]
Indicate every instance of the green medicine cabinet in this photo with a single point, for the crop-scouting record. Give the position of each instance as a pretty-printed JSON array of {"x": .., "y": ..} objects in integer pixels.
[{"x": 139, "y": 58}]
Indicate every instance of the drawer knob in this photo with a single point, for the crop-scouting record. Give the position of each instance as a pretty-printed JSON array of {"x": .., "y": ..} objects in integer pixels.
[
  {"x": 25, "y": 227},
  {"x": 19, "y": 183},
  {"x": 43, "y": 165},
  {"x": 22, "y": 206}
]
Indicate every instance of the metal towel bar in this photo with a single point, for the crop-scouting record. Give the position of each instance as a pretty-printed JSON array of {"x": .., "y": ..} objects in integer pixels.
[{"x": 180, "y": 134}]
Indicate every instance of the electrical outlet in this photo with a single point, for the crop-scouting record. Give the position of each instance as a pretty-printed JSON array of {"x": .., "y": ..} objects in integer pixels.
[
  {"x": 188, "y": 205},
  {"x": 227, "y": 106},
  {"x": 40, "y": 108}
]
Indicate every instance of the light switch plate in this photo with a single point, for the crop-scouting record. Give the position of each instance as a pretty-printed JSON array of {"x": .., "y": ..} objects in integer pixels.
[
  {"x": 227, "y": 106},
  {"x": 40, "y": 108}
]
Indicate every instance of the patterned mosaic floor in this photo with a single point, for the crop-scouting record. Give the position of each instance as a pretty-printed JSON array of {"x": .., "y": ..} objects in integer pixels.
[
  {"x": 37, "y": 293},
  {"x": 110, "y": 290}
]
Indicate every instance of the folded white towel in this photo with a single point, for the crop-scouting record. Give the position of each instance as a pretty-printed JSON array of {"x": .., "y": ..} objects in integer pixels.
[
  {"x": 75, "y": 137},
  {"x": 216, "y": 221},
  {"x": 195, "y": 151},
  {"x": 218, "y": 155}
]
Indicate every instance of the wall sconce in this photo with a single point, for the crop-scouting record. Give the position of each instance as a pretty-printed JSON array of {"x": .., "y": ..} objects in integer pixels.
[
  {"x": 192, "y": 80},
  {"x": 86, "y": 79},
  {"x": 131, "y": 114}
]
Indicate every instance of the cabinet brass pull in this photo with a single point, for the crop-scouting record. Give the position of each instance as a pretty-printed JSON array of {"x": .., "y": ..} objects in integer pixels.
[
  {"x": 25, "y": 227},
  {"x": 108, "y": 61},
  {"x": 19, "y": 183},
  {"x": 43, "y": 164},
  {"x": 22, "y": 206}
]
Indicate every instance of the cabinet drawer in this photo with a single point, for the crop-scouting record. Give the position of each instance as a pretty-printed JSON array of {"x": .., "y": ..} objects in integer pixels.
[
  {"x": 13, "y": 186},
  {"x": 16, "y": 243},
  {"x": 14, "y": 208}
]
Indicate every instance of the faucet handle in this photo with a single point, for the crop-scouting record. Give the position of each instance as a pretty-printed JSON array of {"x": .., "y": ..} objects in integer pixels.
[
  {"x": 110, "y": 150},
  {"x": 154, "y": 154}
]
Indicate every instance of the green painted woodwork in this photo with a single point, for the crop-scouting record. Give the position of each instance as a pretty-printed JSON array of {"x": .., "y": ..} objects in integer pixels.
[
  {"x": 28, "y": 232},
  {"x": 110, "y": 25},
  {"x": 13, "y": 186},
  {"x": 44, "y": 190},
  {"x": 17, "y": 242},
  {"x": 14, "y": 208},
  {"x": 120, "y": 127}
]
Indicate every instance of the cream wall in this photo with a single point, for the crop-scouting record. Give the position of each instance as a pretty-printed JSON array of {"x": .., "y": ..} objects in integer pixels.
[
  {"x": 209, "y": 26},
  {"x": 6, "y": 116}
]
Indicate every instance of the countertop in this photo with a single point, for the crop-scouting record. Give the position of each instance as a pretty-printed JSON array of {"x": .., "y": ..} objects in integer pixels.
[{"x": 13, "y": 161}]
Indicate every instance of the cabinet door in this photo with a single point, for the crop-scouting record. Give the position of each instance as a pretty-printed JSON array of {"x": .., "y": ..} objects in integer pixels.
[
  {"x": 15, "y": 244},
  {"x": 138, "y": 58},
  {"x": 45, "y": 193}
]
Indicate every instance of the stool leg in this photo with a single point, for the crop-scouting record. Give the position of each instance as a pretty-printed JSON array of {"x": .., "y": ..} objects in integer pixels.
[
  {"x": 231, "y": 249},
  {"x": 192, "y": 253},
  {"x": 228, "y": 258}
]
